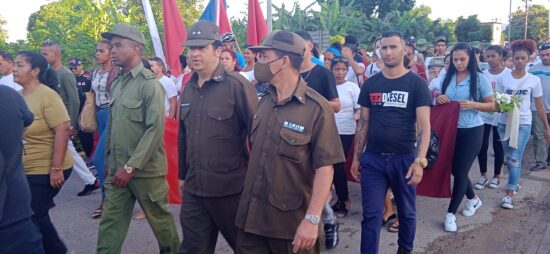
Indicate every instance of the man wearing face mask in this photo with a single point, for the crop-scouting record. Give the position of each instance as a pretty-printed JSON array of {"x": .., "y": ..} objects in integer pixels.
[
  {"x": 216, "y": 112},
  {"x": 294, "y": 143}
]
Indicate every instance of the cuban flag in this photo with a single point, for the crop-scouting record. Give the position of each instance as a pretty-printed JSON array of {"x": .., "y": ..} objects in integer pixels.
[{"x": 216, "y": 12}]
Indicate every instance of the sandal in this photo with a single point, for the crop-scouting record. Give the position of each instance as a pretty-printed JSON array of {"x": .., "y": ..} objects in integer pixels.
[
  {"x": 391, "y": 217},
  {"x": 394, "y": 228},
  {"x": 139, "y": 215},
  {"x": 97, "y": 213}
]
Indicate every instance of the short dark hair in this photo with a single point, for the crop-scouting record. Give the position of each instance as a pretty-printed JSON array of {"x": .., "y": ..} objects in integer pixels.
[
  {"x": 305, "y": 35},
  {"x": 6, "y": 56},
  {"x": 351, "y": 39},
  {"x": 107, "y": 42},
  {"x": 295, "y": 60},
  {"x": 393, "y": 34},
  {"x": 159, "y": 62},
  {"x": 217, "y": 44},
  {"x": 497, "y": 49}
]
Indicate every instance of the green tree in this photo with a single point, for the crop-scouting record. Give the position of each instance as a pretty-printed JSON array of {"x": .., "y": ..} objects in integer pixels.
[
  {"x": 537, "y": 28},
  {"x": 377, "y": 8},
  {"x": 3, "y": 31},
  {"x": 337, "y": 18},
  {"x": 470, "y": 29},
  {"x": 77, "y": 24},
  {"x": 295, "y": 19}
]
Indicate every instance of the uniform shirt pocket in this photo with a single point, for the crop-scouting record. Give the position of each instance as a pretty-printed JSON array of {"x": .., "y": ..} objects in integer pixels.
[
  {"x": 293, "y": 145},
  {"x": 132, "y": 110},
  {"x": 286, "y": 202},
  {"x": 220, "y": 123}
]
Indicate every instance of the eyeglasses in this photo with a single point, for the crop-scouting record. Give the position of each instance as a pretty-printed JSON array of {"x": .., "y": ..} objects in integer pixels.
[{"x": 544, "y": 46}]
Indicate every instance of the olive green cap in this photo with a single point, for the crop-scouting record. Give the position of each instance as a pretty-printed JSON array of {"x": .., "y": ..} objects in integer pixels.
[{"x": 125, "y": 31}]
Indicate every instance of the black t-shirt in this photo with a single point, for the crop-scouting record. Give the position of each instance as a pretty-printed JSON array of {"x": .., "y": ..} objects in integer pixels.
[
  {"x": 392, "y": 104},
  {"x": 15, "y": 195},
  {"x": 84, "y": 84},
  {"x": 322, "y": 81}
]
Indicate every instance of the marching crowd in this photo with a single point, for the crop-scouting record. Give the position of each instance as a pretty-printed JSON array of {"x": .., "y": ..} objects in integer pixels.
[{"x": 263, "y": 136}]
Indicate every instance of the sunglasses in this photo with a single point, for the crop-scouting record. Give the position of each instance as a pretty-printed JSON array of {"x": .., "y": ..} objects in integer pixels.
[
  {"x": 339, "y": 59},
  {"x": 49, "y": 42},
  {"x": 544, "y": 46}
]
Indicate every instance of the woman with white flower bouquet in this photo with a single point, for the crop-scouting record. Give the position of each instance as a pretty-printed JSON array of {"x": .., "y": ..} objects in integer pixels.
[
  {"x": 465, "y": 83},
  {"x": 513, "y": 96}
]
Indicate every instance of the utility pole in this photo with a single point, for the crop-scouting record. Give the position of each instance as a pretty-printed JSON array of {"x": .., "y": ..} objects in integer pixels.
[
  {"x": 510, "y": 24},
  {"x": 526, "y": 18},
  {"x": 269, "y": 16}
]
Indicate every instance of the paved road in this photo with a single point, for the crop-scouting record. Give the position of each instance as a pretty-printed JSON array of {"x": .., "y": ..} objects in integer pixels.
[{"x": 72, "y": 218}]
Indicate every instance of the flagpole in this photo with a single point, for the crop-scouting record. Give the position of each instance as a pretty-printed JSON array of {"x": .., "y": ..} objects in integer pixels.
[
  {"x": 269, "y": 16},
  {"x": 217, "y": 12},
  {"x": 153, "y": 30}
]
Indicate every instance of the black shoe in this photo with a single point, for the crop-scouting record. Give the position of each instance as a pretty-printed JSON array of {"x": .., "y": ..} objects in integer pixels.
[
  {"x": 331, "y": 235},
  {"x": 89, "y": 188},
  {"x": 402, "y": 250},
  {"x": 341, "y": 208}
]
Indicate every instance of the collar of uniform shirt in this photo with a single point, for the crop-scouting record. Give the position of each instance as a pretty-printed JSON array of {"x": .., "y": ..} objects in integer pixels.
[
  {"x": 299, "y": 93},
  {"x": 218, "y": 75},
  {"x": 134, "y": 72}
]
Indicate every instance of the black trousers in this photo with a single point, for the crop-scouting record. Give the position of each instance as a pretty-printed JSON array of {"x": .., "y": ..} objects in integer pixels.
[
  {"x": 467, "y": 146},
  {"x": 41, "y": 203},
  {"x": 497, "y": 148},
  {"x": 87, "y": 142},
  {"x": 340, "y": 179},
  {"x": 202, "y": 218},
  {"x": 256, "y": 244}
]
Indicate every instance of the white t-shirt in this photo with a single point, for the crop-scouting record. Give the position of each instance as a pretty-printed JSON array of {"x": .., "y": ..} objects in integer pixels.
[
  {"x": 8, "y": 81},
  {"x": 372, "y": 69},
  {"x": 248, "y": 75},
  {"x": 527, "y": 86},
  {"x": 348, "y": 93},
  {"x": 351, "y": 76},
  {"x": 170, "y": 91},
  {"x": 488, "y": 117}
]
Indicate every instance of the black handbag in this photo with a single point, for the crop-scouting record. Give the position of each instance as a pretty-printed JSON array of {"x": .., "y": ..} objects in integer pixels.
[{"x": 433, "y": 149}]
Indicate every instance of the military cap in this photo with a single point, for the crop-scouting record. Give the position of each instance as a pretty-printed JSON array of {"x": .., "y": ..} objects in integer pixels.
[
  {"x": 284, "y": 41},
  {"x": 125, "y": 31},
  {"x": 201, "y": 34}
]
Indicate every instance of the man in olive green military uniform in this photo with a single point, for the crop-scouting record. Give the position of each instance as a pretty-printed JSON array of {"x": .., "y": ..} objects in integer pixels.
[
  {"x": 215, "y": 117},
  {"x": 135, "y": 150},
  {"x": 294, "y": 143}
]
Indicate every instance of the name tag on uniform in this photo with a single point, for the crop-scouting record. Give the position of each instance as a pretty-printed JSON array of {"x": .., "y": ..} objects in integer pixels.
[
  {"x": 293, "y": 126},
  {"x": 185, "y": 104}
]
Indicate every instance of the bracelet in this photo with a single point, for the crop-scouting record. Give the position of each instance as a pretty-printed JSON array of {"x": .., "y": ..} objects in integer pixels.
[{"x": 54, "y": 169}]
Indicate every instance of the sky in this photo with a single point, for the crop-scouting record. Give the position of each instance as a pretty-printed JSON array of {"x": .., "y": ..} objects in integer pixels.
[{"x": 17, "y": 15}]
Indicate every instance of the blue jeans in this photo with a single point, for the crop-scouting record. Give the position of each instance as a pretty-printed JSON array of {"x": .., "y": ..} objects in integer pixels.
[
  {"x": 514, "y": 156},
  {"x": 22, "y": 237},
  {"x": 378, "y": 172},
  {"x": 99, "y": 155}
]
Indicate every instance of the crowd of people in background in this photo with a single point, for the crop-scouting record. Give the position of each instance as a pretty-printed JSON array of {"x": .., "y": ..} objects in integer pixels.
[{"x": 264, "y": 136}]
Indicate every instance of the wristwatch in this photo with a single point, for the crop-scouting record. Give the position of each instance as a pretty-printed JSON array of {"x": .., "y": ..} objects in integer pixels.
[
  {"x": 129, "y": 169},
  {"x": 423, "y": 162},
  {"x": 314, "y": 219}
]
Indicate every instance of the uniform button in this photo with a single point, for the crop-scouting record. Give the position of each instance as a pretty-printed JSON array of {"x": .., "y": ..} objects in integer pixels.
[
  {"x": 268, "y": 131},
  {"x": 284, "y": 206},
  {"x": 259, "y": 177},
  {"x": 196, "y": 132},
  {"x": 275, "y": 109},
  {"x": 199, "y": 114},
  {"x": 219, "y": 118},
  {"x": 264, "y": 154}
]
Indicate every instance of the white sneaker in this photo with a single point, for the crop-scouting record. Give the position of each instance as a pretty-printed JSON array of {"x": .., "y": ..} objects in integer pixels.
[
  {"x": 519, "y": 188},
  {"x": 481, "y": 183},
  {"x": 450, "y": 222},
  {"x": 471, "y": 206},
  {"x": 507, "y": 202},
  {"x": 495, "y": 183}
]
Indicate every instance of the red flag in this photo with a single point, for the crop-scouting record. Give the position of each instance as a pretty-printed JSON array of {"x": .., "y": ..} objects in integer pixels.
[
  {"x": 174, "y": 34},
  {"x": 224, "y": 24},
  {"x": 257, "y": 28}
]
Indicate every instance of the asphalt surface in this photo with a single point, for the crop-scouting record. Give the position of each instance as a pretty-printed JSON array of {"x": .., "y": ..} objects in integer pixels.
[{"x": 72, "y": 218}]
